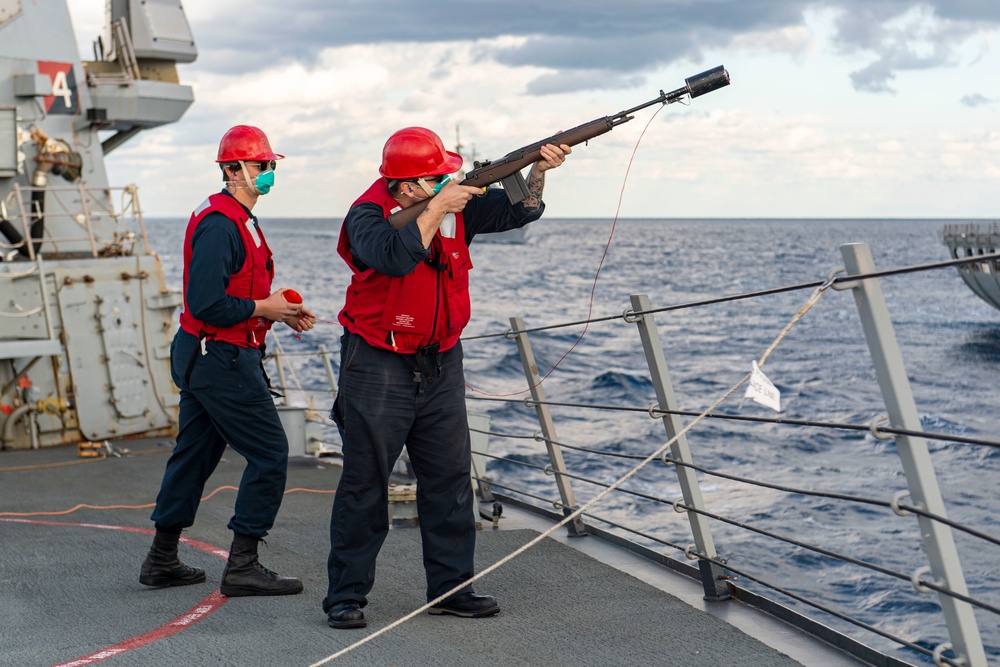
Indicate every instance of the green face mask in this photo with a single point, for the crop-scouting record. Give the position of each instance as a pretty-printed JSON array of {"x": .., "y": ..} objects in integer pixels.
[
  {"x": 264, "y": 182},
  {"x": 437, "y": 188}
]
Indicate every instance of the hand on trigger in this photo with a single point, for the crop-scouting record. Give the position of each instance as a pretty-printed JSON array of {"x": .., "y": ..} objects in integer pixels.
[{"x": 453, "y": 197}]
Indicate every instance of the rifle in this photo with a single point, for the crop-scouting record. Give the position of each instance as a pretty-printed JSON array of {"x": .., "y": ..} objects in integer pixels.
[{"x": 507, "y": 170}]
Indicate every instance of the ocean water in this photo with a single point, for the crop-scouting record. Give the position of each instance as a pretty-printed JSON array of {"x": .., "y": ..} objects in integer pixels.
[{"x": 950, "y": 342}]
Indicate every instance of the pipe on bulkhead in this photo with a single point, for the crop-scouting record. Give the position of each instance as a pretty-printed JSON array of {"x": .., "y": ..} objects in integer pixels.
[{"x": 8, "y": 425}]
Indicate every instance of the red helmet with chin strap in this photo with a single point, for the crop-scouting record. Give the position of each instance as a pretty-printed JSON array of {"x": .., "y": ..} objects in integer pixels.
[
  {"x": 417, "y": 151},
  {"x": 245, "y": 142}
]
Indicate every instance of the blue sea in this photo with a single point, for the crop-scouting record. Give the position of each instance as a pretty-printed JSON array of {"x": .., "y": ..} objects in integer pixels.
[{"x": 950, "y": 342}]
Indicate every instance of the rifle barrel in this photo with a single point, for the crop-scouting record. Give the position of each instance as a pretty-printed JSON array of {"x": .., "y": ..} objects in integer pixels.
[
  {"x": 491, "y": 172},
  {"x": 695, "y": 86}
]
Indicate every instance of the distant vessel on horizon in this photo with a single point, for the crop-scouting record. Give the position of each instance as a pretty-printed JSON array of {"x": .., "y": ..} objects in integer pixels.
[{"x": 969, "y": 240}]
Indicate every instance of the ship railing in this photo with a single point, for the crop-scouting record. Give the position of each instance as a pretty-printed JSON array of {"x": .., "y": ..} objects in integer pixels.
[
  {"x": 104, "y": 229},
  {"x": 919, "y": 504},
  {"x": 941, "y": 575},
  {"x": 309, "y": 403}
]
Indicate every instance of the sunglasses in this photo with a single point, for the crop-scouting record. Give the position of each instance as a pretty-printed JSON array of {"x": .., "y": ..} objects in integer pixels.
[
  {"x": 436, "y": 182},
  {"x": 266, "y": 165}
]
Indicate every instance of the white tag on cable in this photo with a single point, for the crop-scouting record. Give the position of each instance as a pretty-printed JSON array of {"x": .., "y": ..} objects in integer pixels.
[
  {"x": 761, "y": 390},
  {"x": 252, "y": 228}
]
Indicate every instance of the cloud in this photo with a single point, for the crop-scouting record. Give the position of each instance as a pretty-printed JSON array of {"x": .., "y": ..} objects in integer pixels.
[
  {"x": 568, "y": 82},
  {"x": 594, "y": 44},
  {"x": 329, "y": 81},
  {"x": 905, "y": 37},
  {"x": 976, "y": 100}
]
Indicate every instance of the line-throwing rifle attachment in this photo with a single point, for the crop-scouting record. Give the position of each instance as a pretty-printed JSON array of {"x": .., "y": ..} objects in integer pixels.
[{"x": 507, "y": 170}]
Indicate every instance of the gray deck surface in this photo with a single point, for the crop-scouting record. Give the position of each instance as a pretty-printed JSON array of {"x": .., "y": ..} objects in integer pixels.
[{"x": 67, "y": 591}]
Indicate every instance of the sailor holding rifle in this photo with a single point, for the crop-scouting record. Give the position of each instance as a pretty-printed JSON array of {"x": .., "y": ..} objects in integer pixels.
[{"x": 401, "y": 374}]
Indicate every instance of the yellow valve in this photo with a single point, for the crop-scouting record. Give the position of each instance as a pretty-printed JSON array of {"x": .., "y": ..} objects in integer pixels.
[{"x": 52, "y": 405}]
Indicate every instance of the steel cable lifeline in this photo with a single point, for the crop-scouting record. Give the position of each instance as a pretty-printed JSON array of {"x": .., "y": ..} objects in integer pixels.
[
  {"x": 897, "y": 507},
  {"x": 750, "y": 295},
  {"x": 936, "y": 653},
  {"x": 600, "y": 496},
  {"x": 679, "y": 506},
  {"x": 844, "y": 617},
  {"x": 894, "y": 505},
  {"x": 657, "y": 412},
  {"x": 620, "y": 526}
]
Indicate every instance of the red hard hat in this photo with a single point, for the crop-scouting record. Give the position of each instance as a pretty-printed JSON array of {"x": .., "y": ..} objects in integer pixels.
[
  {"x": 417, "y": 151},
  {"x": 245, "y": 142}
]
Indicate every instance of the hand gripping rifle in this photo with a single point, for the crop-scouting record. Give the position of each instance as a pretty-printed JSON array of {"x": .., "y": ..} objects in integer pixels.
[{"x": 507, "y": 170}]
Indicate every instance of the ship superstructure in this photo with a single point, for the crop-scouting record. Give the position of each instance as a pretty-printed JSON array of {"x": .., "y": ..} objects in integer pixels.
[{"x": 85, "y": 316}]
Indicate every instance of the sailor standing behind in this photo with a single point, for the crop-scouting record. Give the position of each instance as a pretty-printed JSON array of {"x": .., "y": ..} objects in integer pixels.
[
  {"x": 215, "y": 361},
  {"x": 401, "y": 374}
]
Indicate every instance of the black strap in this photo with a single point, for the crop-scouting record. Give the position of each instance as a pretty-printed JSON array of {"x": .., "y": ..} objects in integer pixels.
[
  {"x": 424, "y": 358},
  {"x": 432, "y": 261}
]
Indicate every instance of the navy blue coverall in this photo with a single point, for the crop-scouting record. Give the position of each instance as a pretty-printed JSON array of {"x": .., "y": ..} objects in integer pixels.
[
  {"x": 382, "y": 404},
  {"x": 225, "y": 399}
]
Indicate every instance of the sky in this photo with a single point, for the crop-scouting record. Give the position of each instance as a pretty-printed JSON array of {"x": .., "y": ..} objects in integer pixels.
[{"x": 837, "y": 108}]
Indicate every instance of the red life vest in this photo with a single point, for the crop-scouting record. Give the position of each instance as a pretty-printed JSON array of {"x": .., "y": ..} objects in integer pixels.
[
  {"x": 428, "y": 305},
  {"x": 252, "y": 281}
]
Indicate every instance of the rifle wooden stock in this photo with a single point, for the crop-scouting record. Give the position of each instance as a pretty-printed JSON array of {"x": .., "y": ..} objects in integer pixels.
[{"x": 489, "y": 172}]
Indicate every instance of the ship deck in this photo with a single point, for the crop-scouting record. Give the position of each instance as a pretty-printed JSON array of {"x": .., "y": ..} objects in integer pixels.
[{"x": 71, "y": 594}]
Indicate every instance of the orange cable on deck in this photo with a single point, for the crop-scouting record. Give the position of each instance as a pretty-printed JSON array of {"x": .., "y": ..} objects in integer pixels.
[{"x": 147, "y": 506}]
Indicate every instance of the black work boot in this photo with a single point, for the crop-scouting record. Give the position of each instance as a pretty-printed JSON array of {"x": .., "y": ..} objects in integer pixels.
[
  {"x": 244, "y": 575},
  {"x": 162, "y": 567},
  {"x": 467, "y": 605}
]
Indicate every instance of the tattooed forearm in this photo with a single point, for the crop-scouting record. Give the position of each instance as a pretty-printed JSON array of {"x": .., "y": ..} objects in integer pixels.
[{"x": 536, "y": 183}]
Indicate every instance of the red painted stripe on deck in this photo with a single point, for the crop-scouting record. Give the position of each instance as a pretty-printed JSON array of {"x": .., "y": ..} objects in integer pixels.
[
  {"x": 197, "y": 544},
  {"x": 202, "y": 610}
]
